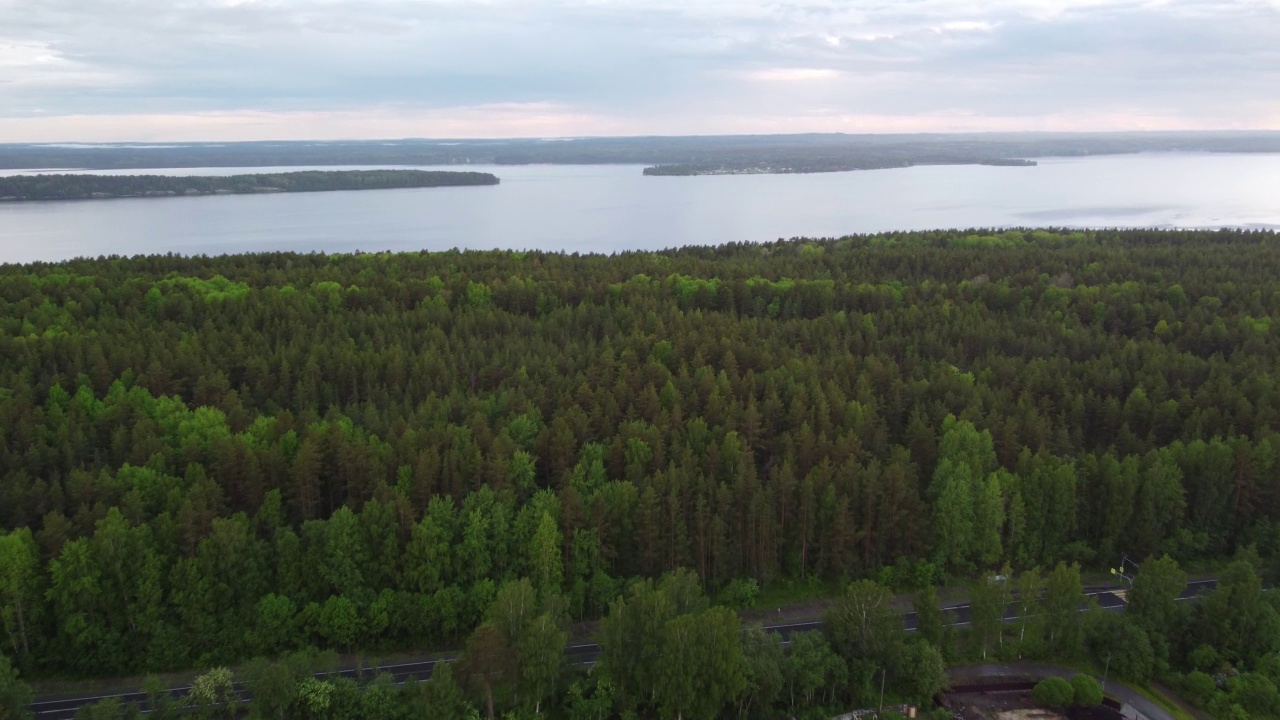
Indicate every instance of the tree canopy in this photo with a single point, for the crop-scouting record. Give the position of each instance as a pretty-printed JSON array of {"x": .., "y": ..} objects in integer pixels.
[{"x": 203, "y": 459}]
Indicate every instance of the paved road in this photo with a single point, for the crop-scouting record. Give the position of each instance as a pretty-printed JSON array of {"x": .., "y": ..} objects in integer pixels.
[
  {"x": 583, "y": 655},
  {"x": 1036, "y": 671}
]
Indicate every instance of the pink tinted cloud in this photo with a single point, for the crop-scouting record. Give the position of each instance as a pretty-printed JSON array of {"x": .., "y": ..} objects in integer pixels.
[{"x": 483, "y": 121}]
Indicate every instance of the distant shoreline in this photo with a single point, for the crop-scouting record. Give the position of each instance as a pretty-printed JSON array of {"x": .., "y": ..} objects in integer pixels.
[
  {"x": 738, "y": 153},
  {"x": 694, "y": 170},
  {"x": 62, "y": 187}
]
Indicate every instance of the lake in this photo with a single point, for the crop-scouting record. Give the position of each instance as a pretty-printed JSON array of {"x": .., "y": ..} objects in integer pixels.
[{"x": 614, "y": 208}]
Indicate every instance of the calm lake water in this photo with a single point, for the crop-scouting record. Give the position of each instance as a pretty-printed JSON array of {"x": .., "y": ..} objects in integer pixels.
[{"x": 613, "y": 208}]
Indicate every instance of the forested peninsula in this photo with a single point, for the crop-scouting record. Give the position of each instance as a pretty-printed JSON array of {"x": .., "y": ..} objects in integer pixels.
[
  {"x": 96, "y": 187},
  {"x": 209, "y": 459}
]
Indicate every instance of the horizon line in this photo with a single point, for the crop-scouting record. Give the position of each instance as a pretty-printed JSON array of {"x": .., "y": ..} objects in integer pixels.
[{"x": 74, "y": 144}]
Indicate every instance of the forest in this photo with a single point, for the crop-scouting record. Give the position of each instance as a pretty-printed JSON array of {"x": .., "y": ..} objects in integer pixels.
[
  {"x": 209, "y": 459},
  {"x": 93, "y": 187}
]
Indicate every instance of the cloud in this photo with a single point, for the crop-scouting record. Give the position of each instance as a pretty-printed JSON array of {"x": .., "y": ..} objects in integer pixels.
[
  {"x": 794, "y": 74},
  {"x": 233, "y": 66},
  {"x": 37, "y": 65},
  {"x": 481, "y": 121},
  {"x": 964, "y": 26}
]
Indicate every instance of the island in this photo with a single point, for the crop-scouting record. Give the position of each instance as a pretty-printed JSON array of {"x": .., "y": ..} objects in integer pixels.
[{"x": 100, "y": 187}]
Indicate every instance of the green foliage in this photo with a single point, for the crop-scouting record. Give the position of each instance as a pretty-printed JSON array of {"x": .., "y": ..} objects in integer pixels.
[
  {"x": 545, "y": 556},
  {"x": 762, "y": 665},
  {"x": 1153, "y": 602},
  {"x": 1010, "y": 239},
  {"x": 315, "y": 698},
  {"x": 215, "y": 289},
  {"x": 969, "y": 511},
  {"x": 1053, "y": 692},
  {"x": 809, "y": 667},
  {"x": 865, "y": 630},
  {"x": 1255, "y": 693},
  {"x": 15, "y": 695},
  {"x": 1198, "y": 687},
  {"x": 1234, "y": 620},
  {"x": 479, "y": 295},
  {"x": 689, "y": 290},
  {"x": 920, "y": 673},
  {"x": 1222, "y": 708},
  {"x": 702, "y": 664},
  {"x": 1029, "y": 590},
  {"x": 439, "y": 697},
  {"x": 591, "y": 699},
  {"x": 1086, "y": 691},
  {"x": 988, "y": 599},
  {"x": 740, "y": 593},
  {"x": 275, "y": 683},
  {"x": 519, "y": 648},
  {"x": 339, "y": 622},
  {"x": 931, "y": 623},
  {"x": 105, "y": 709},
  {"x": 1205, "y": 658},
  {"x": 20, "y": 591},
  {"x": 1117, "y": 642},
  {"x": 1063, "y": 596},
  {"x": 206, "y": 459},
  {"x": 213, "y": 694},
  {"x": 662, "y": 647}
]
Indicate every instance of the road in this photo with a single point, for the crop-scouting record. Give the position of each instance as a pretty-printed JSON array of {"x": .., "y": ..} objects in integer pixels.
[{"x": 582, "y": 655}]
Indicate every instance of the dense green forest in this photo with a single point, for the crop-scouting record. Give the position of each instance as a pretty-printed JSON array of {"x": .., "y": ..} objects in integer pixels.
[
  {"x": 83, "y": 187},
  {"x": 206, "y": 459}
]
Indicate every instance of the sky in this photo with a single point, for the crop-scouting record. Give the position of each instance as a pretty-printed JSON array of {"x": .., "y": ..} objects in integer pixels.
[{"x": 186, "y": 70}]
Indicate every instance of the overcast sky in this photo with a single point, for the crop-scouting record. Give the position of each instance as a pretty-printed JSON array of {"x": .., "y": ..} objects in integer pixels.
[{"x": 110, "y": 70}]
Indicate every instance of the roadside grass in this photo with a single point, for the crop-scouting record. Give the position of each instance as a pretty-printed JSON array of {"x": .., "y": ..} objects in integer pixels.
[
  {"x": 1164, "y": 701},
  {"x": 797, "y": 592}
]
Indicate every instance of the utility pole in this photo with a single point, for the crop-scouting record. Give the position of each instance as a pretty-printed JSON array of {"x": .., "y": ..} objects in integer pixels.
[{"x": 882, "y": 674}]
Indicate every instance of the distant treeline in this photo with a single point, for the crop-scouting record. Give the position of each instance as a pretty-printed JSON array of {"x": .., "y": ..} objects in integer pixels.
[
  {"x": 82, "y": 187},
  {"x": 809, "y": 150}
]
